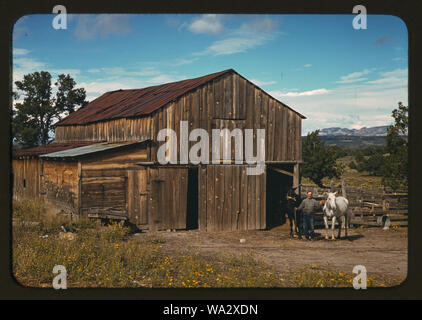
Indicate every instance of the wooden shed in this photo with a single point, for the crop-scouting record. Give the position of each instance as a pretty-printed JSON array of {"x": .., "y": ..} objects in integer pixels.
[{"x": 103, "y": 161}]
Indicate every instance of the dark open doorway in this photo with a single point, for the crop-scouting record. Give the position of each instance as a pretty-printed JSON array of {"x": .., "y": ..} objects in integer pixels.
[
  {"x": 279, "y": 180},
  {"x": 192, "y": 204}
]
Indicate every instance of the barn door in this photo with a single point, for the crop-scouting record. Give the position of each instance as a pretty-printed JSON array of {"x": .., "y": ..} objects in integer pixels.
[
  {"x": 138, "y": 196},
  {"x": 168, "y": 198}
]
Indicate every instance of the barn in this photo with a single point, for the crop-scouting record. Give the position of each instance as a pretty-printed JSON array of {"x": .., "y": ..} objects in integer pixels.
[{"x": 103, "y": 160}]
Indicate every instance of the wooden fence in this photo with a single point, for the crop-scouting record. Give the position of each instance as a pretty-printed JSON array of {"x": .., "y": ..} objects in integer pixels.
[{"x": 367, "y": 205}]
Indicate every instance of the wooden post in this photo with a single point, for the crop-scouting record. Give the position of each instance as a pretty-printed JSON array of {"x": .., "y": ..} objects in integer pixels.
[
  {"x": 296, "y": 178},
  {"x": 343, "y": 187},
  {"x": 332, "y": 185}
]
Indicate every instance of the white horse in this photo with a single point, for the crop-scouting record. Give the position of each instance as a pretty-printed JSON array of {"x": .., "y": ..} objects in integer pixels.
[{"x": 336, "y": 208}]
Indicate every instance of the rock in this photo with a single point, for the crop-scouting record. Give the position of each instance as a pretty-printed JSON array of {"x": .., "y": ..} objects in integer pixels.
[
  {"x": 67, "y": 235},
  {"x": 242, "y": 240}
]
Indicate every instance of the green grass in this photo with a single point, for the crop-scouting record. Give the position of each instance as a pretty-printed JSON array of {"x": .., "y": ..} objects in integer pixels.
[{"x": 110, "y": 257}]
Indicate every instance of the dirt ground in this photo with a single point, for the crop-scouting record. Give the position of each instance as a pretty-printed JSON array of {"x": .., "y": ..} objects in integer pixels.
[{"x": 382, "y": 252}]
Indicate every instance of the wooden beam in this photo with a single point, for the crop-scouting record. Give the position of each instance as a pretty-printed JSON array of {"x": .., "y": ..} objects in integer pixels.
[{"x": 283, "y": 172}]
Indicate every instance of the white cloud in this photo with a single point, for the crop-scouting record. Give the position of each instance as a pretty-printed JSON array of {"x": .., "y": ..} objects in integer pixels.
[
  {"x": 249, "y": 35},
  {"x": 180, "y": 62},
  {"x": 20, "y": 52},
  {"x": 260, "y": 83},
  {"x": 91, "y": 26},
  {"x": 391, "y": 77},
  {"x": 280, "y": 94},
  {"x": 354, "y": 77},
  {"x": 352, "y": 105},
  {"x": 207, "y": 23},
  {"x": 164, "y": 78},
  {"x": 308, "y": 65}
]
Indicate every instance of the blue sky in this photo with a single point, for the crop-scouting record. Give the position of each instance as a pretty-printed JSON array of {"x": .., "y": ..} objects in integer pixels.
[{"x": 318, "y": 64}]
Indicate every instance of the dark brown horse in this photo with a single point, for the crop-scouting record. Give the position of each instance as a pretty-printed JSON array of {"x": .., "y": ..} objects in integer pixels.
[{"x": 290, "y": 202}]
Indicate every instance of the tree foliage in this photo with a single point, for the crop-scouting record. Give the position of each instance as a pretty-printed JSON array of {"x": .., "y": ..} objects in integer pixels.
[
  {"x": 33, "y": 118},
  {"x": 396, "y": 164},
  {"x": 319, "y": 160},
  {"x": 391, "y": 162},
  {"x": 373, "y": 164}
]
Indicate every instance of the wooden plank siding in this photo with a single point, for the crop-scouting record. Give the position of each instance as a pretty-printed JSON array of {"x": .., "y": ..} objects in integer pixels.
[
  {"x": 26, "y": 179},
  {"x": 234, "y": 200}
]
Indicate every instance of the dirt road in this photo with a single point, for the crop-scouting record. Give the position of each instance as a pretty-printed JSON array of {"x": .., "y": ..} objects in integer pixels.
[{"x": 382, "y": 252}]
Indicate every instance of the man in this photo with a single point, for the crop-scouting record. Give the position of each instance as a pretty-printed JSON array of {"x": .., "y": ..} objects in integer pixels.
[{"x": 308, "y": 207}]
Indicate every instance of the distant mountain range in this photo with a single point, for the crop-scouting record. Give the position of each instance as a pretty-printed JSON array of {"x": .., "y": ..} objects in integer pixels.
[{"x": 363, "y": 132}]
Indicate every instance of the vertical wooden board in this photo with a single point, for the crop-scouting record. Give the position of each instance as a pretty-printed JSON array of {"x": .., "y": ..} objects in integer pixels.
[
  {"x": 182, "y": 198},
  {"x": 278, "y": 127},
  {"x": 249, "y": 105},
  {"x": 217, "y": 90},
  {"x": 243, "y": 221},
  {"x": 210, "y": 105},
  {"x": 171, "y": 124},
  {"x": 228, "y": 97},
  {"x": 130, "y": 192},
  {"x": 228, "y": 197},
  {"x": 211, "y": 198},
  {"x": 284, "y": 135},
  {"x": 202, "y": 198},
  {"x": 242, "y": 98},
  {"x": 251, "y": 202},
  {"x": 236, "y": 198},
  {"x": 294, "y": 133},
  {"x": 176, "y": 114},
  {"x": 236, "y": 98},
  {"x": 263, "y": 185},
  {"x": 257, "y": 118},
  {"x": 258, "y": 197},
  {"x": 195, "y": 108},
  {"x": 264, "y": 122},
  {"x": 219, "y": 191},
  {"x": 300, "y": 139},
  {"x": 290, "y": 136},
  {"x": 143, "y": 196},
  {"x": 270, "y": 129},
  {"x": 168, "y": 212}
]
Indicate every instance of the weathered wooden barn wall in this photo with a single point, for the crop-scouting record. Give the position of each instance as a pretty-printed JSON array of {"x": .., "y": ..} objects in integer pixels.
[
  {"x": 229, "y": 199},
  {"x": 112, "y": 130},
  {"x": 26, "y": 178},
  {"x": 59, "y": 184},
  {"x": 104, "y": 181},
  {"x": 229, "y": 101},
  {"x": 54, "y": 182}
]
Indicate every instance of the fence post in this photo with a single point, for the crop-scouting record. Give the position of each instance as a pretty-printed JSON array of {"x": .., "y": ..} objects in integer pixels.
[{"x": 343, "y": 187}]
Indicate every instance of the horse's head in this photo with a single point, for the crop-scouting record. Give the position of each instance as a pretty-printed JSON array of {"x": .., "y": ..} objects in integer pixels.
[{"x": 330, "y": 204}]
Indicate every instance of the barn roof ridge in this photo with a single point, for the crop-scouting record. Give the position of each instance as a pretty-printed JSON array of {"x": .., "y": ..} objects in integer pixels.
[{"x": 130, "y": 103}]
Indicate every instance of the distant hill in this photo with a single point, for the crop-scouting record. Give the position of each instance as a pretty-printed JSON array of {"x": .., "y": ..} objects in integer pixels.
[
  {"x": 354, "y": 138},
  {"x": 354, "y": 141},
  {"x": 363, "y": 132}
]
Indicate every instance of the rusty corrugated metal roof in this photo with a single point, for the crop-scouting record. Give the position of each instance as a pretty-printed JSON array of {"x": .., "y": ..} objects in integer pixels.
[
  {"x": 52, "y": 147},
  {"x": 138, "y": 102},
  {"x": 134, "y": 102},
  {"x": 89, "y": 150}
]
